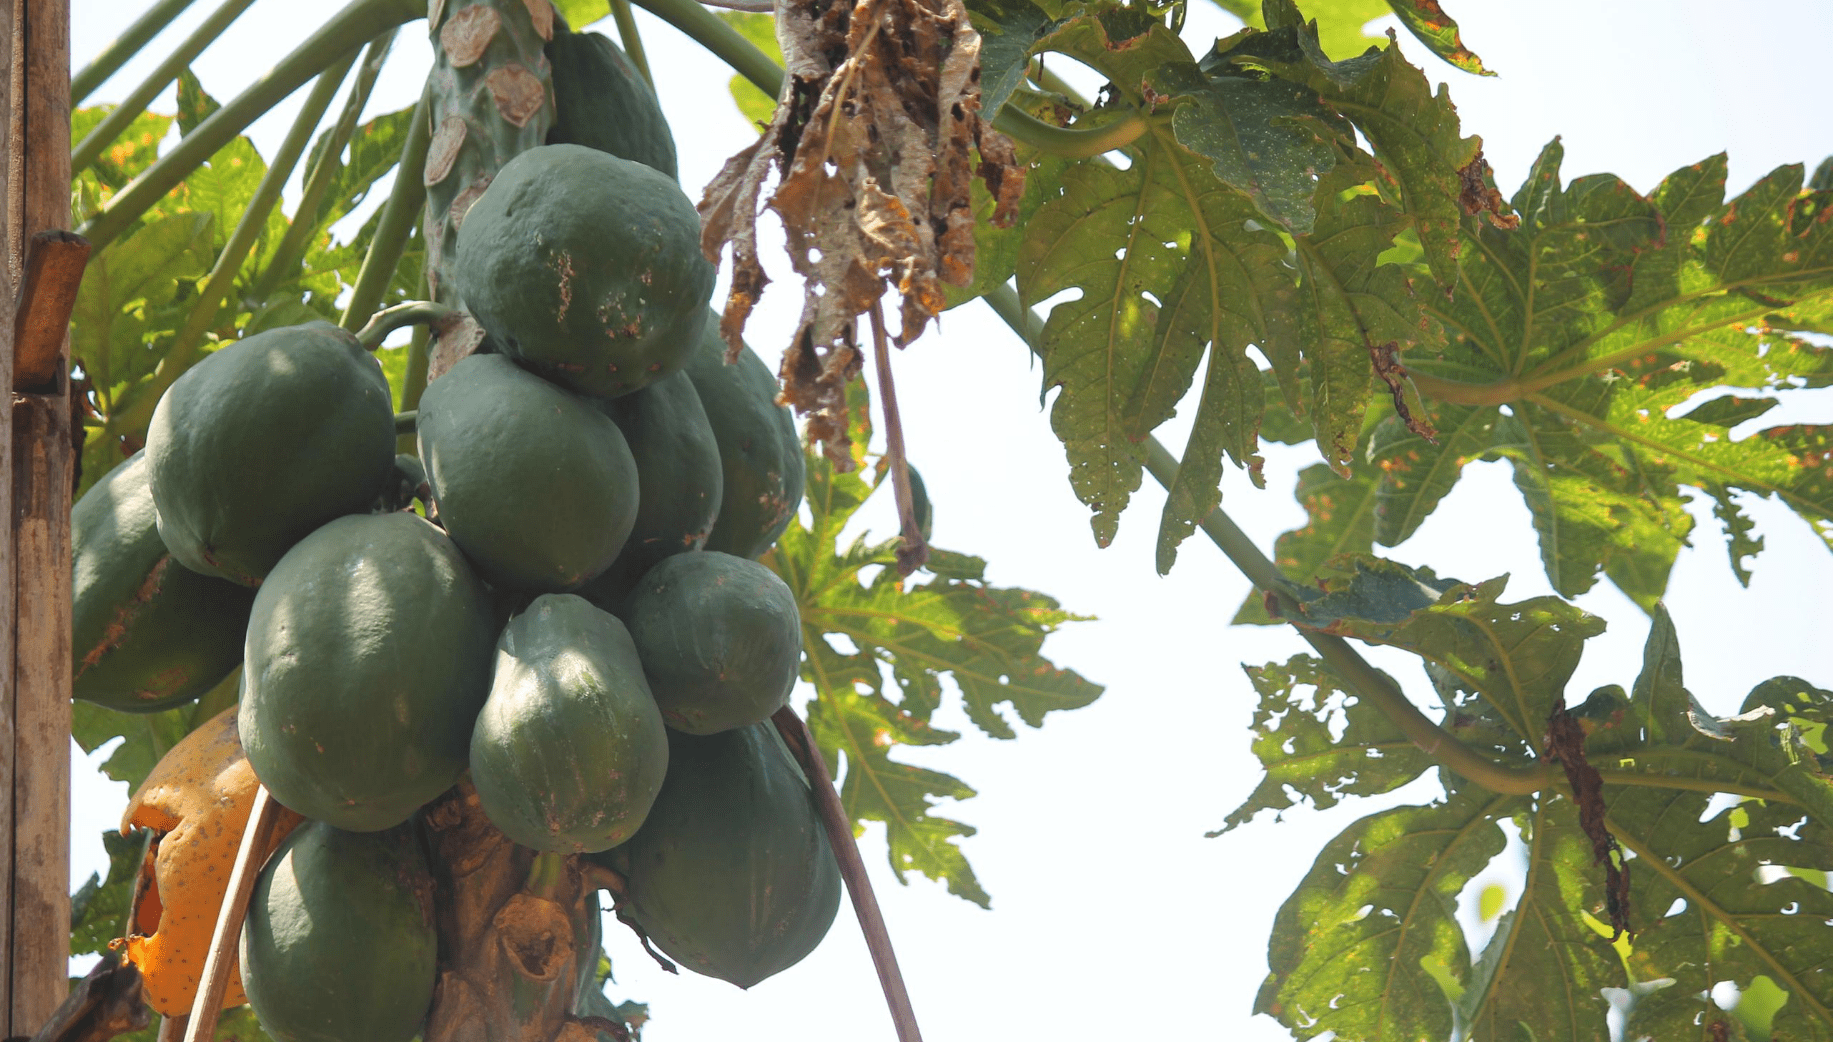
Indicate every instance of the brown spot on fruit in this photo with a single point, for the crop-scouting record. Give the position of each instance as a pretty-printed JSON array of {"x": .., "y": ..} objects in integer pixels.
[
  {"x": 518, "y": 93},
  {"x": 470, "y": 31},
  {"x": 442, "y": 151},
  {"x": 541, "y": 12}
]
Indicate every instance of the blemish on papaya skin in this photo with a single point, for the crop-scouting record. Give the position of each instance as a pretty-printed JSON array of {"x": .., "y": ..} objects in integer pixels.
[{"x": 117, "y": 627}]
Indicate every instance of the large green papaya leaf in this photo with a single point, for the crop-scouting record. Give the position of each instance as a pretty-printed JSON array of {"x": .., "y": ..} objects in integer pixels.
[{"x": 903, "y": 637}]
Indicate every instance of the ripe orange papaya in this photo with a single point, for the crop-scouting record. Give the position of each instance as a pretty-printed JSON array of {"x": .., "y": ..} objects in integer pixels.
[{"x": 197, "y": 800}]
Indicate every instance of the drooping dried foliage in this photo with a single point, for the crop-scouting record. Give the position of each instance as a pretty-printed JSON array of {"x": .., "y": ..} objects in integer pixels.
[{"x": 874, "y": 139}]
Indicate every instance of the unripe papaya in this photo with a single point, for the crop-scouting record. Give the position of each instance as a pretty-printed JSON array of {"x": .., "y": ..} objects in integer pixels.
[
  {"x": 569, "y": 750},
  {"x": 265, "y": 440},
  {"x": 732, "y": 875},
  {"x": 586, "y": 269},
  {"x": 339, "y": 944},
  {"x": 533, "y": 483},
  {"x": 678, "y": 469},
  {"x": 147, "y": 632},
  {"x": 759, "y": 451},
  {"x": 602, "y": 102},
  {"x": 367, "y": 659},
  {"x": 720, "y": 638}
]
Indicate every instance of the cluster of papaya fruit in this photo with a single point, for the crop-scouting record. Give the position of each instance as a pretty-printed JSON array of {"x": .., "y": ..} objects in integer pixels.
[{"x": 558, "y": 598}]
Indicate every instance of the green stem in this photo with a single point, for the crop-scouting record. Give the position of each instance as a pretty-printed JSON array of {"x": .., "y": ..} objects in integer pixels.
[
  {"x": 1458, "y": 392},
  {"x": 413, "y": 382},
  {"x": 1362, "y": 678},
  {"x": 408, "y": 313},
  {"x": 299, "y": 234},
  {"x": 545, "y": 873},
  {"x": 123, "y": 47},
  {"x": 189, "y": 342},
  {"x": 360, "y": 21},
  {"x": 394, "y": 225},
  {"x": 407, "y": 422},
  {"x": 1056, "y": 84},
  {"x": 710, "y": 31},
  {"x": 633, "y": 43},
  {"x": 135, "y": 103},
  {"x": 1069, "y": 142}
]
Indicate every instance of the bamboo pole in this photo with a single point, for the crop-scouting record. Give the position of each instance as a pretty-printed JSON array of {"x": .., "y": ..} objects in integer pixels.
[
  {"x": 221, "y": 959},
  {"x": 36, "y": 454}
]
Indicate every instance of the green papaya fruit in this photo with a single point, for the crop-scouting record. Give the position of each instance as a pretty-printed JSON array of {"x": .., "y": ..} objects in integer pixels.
[
  {"x": 569, "y": 750},
  {"x": 265, "y": 440},
  {"x": 146, "y": 632},
  {"x": 586, "y": 269},
  {"x": 340, "y": 944},
  {"x": 759, "y": 449},
  {"x": 602, "y": 102},
  {"x": 534, "y": 484},
  {"x": 367, "y": 659},
  {"x": 678, "y": 470},
  {"x": 720, "y": 639},
  {"x": 405, "y": 483},
  {"x": 732, "y": 875},
  {"x": 919, "y": 502}
]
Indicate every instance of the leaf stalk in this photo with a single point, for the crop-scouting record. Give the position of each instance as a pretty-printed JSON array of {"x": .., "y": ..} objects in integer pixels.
[
  {"x": 394, "y": 224},
  {"x": 409, "y": 313},
  {"x": 1069, "y": 142},
  {"x": 122, "y": 48},
  {"x": 341, "y": 36},
  {"x": 708, "y": 30}
]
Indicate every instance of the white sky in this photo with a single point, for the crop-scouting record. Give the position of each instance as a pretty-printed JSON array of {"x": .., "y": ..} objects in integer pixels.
[{"x": 1112, "y": 914}]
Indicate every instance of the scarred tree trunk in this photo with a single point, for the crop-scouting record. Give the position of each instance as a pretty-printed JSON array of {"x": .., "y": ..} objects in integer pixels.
[{"x": 518, "y": 931}]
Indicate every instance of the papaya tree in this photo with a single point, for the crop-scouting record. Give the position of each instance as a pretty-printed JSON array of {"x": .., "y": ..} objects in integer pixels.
[{"x": 1280, "y": 237}]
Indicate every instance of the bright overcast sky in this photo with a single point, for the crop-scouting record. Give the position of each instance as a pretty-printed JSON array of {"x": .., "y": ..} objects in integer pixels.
[{"x": 1112, "y": 915}]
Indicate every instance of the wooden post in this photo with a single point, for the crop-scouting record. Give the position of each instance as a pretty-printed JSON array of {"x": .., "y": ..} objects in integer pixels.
[{"x": 35, "y": 487}]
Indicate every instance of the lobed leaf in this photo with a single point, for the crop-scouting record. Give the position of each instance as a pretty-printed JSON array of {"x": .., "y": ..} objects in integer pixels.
[{"x": 1427, "y": 21}]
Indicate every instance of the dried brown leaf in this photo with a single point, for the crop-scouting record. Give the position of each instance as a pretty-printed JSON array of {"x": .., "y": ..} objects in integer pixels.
[{"x": 873, "y": 142}]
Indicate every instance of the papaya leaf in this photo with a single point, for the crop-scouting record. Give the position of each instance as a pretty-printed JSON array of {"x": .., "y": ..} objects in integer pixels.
[
  {"x": 1339, "y": 519},
  {"x": 145, "y": 737},
  {"x": 1303, "y": 709},
  {"x": 1711, "y": 909},
  {"x": 1514, "y": 657},
  {"x": 760, "y": 29},
  {"x": 1364, "y": 945},
  {"x": 98, "y": 909},
  {"x": 194, "y": 103},
  {"x": 1009, "y": 31},
  {"x": 374, "y": 150},
  {"x": 1542, "y": 972},
  {"x": 1414, "y": 132},
  {"x": 1620, "y": 313},
  {"x": 1427, "y": 21},
  {"x": 1417, "y": 473},
  {"x": 869, "y": 636},
  {"x": 133, "y": 151},
  {"x": 1339, "y": 22}
]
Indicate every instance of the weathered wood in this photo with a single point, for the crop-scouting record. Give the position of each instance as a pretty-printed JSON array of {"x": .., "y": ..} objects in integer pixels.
[
  {"x": 108, "y": 1002},
  {"x": 221, "y": 959},
  {"x": 35, "y": 453},
  {"x": 172, "y": 1029},
  {"x": 41, "y": 707},
  {"x": 54, "y": 265}
]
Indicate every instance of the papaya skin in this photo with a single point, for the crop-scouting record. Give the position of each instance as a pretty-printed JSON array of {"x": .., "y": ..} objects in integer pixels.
[
  {"x": 147, "y": 633},
  {"x": 586, "y": 269},
  {"x": 759, "y": 450},
  {"x": 198, "y": 799}
]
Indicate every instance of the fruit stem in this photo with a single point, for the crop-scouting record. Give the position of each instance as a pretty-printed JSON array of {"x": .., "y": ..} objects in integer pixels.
[
  {"x": 221, "y": 959},
  {"x": 1069, "y": 142},
  {"x": 130, "y": 108},
  {"x": 406, "y": 313},
  {"x": 708, "y": 30},
  {"x": 342, "y": 35},
  {"x": 407, "y": 422},
  {"x": 633, "y": 43},
  {"x": 839, "y": 828},
  {"x": 1362, "y": 679},
  {"x": 305, "y": 221},
  {"x": 545, "y": 873},
  {"x": 913, "y": 551},
  {"x": 189, "y": 341},
  {"x": 122, "y": 48},
  {"x": 394, "y": 224}
]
